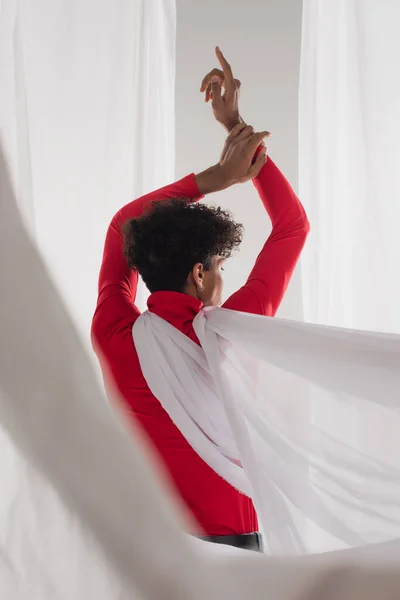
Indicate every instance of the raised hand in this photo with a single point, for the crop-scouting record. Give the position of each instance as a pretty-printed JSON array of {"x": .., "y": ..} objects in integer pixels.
[
  {"x": 225, "y": 105},
  {"x": 243, "y": 156}
]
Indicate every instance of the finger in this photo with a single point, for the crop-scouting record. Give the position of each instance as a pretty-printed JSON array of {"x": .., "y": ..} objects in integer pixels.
[
  {"x": 246, "y": 132},
  {"x": 236, "y": 131},
  {"x": 226, "y": 68},
  {"x": 207, "y": 79},
  {"x": 258, "y": 164},
  {"x": 255, "y": 140},
  {"x": 208, "y": 95},
  {"x": 213, "y": 87},
  {"x": 216, "y": 92}
]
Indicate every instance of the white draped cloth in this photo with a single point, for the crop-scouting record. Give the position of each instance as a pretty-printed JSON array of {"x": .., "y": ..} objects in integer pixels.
[{"x": 242, "y": 400}]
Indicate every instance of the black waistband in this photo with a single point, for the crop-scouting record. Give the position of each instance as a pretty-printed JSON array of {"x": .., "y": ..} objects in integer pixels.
[{"x": 246, "y": 541}]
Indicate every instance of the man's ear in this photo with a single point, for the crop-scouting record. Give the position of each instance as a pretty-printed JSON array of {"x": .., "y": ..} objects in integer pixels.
[{"x": 198, "y": 276}]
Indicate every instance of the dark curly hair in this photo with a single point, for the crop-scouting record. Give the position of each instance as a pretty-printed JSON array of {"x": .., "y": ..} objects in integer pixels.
[{"x": 165, "y": 243}]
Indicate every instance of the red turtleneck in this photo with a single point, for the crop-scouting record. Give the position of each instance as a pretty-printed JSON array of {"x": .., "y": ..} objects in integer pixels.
[{"x": 218, "y": 508}]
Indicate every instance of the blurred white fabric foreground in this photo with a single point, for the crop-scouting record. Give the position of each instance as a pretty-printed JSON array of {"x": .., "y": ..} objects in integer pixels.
[
  {"x": 349, "y": 156},
  {"x": 87, "y": 121},
  {"x": 81, "y": 513}
]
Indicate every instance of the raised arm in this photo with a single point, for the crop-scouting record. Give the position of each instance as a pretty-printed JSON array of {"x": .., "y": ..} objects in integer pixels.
[
  {"x": 270, "y": 276},
  {"x": 115, "y": 277}
]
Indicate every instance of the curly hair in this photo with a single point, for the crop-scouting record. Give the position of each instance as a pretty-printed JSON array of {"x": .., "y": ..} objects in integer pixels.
[{"x": 165, "y": 243}]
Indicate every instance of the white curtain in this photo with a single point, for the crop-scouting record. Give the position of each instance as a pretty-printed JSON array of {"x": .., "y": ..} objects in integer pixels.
[
  {"x": 87, "y": 122},
  {"x": 349, "y": 162}
]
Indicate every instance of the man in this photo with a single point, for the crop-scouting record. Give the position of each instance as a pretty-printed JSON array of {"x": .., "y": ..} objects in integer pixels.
[{"x": 179, "y": 248}]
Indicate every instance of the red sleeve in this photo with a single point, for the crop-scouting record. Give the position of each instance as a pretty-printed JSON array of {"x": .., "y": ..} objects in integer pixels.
[
  {"x": 117, "y": 283},
  {"x": 270, "y": 276}
]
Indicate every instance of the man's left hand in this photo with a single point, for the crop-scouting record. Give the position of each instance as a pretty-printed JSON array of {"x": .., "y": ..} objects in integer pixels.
[{"x": 225, "y": 105}]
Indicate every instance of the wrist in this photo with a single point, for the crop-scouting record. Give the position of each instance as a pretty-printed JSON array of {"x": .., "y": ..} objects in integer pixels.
[
  {"x": 229, "y": 124},
  {"x": 212, "y": 180}
]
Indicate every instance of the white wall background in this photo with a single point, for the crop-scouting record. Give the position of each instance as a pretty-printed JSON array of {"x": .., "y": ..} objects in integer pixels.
[{"x": 261, "y": 39}]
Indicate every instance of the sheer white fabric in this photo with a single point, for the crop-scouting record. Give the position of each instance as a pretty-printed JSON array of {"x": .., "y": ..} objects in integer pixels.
[
  {"x": 242, "y": 400},
  {"x": 349, "y": 156},
  {"x": 81, "y": 514},
  {"x": 87, "y": 122}
]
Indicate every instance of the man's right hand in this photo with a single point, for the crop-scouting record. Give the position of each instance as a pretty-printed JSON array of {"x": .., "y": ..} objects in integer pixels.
[{"x": 242, "y": 158}]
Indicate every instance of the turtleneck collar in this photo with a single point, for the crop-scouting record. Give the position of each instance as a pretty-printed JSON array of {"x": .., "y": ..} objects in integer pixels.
[{"x": 176, "y": 308}]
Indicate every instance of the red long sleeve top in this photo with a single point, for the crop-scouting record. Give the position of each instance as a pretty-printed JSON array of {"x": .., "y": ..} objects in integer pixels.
[{"x": 218, "y": 508}]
